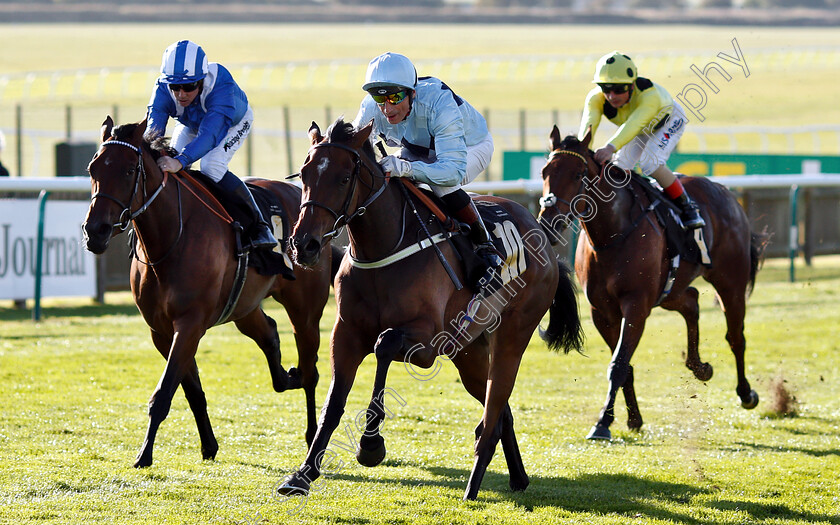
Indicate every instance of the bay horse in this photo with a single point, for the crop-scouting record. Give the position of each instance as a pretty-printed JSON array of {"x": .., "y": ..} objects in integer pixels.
[
  {"x": 622, "y": 263},
  {"x": 410, "y": 309},
  {"x": 184, "y": 269}
]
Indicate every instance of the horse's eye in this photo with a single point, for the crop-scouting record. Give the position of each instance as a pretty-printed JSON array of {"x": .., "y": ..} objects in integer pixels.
[{"x": 345, "y": 180}]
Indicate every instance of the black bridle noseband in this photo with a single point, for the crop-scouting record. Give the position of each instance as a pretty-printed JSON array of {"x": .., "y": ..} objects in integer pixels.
[{"x": 343, "y": 217}]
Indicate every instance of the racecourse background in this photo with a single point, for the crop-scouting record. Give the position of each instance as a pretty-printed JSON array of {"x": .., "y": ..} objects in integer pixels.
[
  {"x": 525, "y": 78},
  {"x": 74, "y": 387}
]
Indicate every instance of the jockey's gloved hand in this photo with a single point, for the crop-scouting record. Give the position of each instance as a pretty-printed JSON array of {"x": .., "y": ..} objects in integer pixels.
[
  {"x": 169, "y": 164},
  {"x": 396, "y": 166}
]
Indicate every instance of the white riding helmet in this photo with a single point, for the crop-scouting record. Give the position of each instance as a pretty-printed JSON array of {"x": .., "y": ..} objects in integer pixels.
[
  {"x": 390, "y": 72},
  {"x": 183, "y": 62}
]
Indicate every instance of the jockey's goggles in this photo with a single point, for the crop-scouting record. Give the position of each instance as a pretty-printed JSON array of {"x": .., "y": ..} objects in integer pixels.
[
  {"x": 393, "y": 98},
  {"x": 615, "y": 88},
  {"x": 189, "y": 88}
]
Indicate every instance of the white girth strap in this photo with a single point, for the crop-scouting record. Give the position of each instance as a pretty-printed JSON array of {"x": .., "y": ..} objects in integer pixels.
[{"x": 400, "y": 255}]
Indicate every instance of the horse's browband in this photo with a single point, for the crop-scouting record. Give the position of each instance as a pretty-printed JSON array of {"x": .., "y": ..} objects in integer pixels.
[
  {"x": 121, "y": 143},
  {"x": 566, "y": 152}
]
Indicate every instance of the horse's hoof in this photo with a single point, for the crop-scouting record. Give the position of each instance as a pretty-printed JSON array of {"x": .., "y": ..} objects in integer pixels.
[
  {"x": 518, "y": 485},
  {"x": 280, "y": 381},
  {"x": 294, "y": 379},
  {"x": 142, "y": 462},
  {"x": 209, "y": 454},
  {"x": 373, "y": 456},
  {"x": 703, "y": 372},
  {"x": 752, "y": 402},
  {"x": 599, "y": 432},
  {"x": 292, "y": 485}
]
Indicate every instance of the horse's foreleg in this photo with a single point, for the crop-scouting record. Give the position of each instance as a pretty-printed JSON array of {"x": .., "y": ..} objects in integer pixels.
[
  {"x": 372, "y": 444},
  {"x": 686, "y": 304},
  {"x": 619, "y": 369},
  {"x": 734, "y": 308},
  {"x": 196, "y": 399},
  {"x": 263, "y": 330},
  {"x": 180, "y": 360},
  {"x": 346, "y": 358}
]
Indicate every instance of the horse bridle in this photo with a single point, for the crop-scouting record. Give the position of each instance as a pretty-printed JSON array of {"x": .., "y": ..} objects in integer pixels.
[
  {"x": 342, "y": 218},
  {"x": 551, "y": 200},
  {"x": 126, "y": 215}
]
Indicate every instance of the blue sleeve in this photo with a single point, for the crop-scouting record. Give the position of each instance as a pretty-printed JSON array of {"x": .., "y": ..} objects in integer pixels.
[
  {"x": 214, "y": 126},
  {"x": 160, "y": 108},
  {"x": 446, "y": 126}
]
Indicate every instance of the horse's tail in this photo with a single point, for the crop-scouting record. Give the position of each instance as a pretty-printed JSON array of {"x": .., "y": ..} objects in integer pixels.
[
  {"x": 758, "y": 242},
  {"x": 564, "y": 330},
  {"x": 337, "y": 255}
]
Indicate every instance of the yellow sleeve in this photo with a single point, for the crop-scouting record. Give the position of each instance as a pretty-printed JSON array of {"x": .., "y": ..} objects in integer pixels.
[
  {"x": 647, "y": 107},
  {"x": 593, "y": 110}
]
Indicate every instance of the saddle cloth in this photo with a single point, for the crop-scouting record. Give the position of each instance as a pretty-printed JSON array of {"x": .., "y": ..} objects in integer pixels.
[
  {"x": 689, "y": 245},
  {"x": 265, "y": 262},
  {"x": 508, "y": 242}
]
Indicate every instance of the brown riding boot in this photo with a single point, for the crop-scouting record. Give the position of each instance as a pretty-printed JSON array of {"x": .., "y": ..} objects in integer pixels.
[{"x": 478, "y": 234}]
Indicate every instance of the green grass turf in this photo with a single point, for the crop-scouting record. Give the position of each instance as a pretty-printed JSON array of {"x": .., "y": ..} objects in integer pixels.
[{"x": 74, "y": 388}]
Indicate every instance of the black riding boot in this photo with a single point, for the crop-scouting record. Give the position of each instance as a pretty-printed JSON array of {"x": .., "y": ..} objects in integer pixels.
[
  {"x": 262, "y": 236},
  {"x": 690, "y": 213},
  {"x": 478, "y": 234}
]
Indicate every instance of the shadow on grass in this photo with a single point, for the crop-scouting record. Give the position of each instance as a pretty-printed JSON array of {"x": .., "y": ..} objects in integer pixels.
[
  {"x": 773, "y": 448},
  {"x": 621, "y": 494}
]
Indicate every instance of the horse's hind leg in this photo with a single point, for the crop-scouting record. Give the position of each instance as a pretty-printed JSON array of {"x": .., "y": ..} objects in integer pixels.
[
  {"x": 687, "y": 305},
  {"x": 504, "y": 366},
  {"x": 263, "y": 330},
  {"x": 474, "y": 379},
  {"x": 734, "y": 308},
  {"x": 516, "y": 468},
  {"x": 305, "y": 316}
]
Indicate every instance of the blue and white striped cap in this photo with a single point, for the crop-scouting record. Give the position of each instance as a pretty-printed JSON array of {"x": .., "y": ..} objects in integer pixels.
[{"x": 183, "y": 62}]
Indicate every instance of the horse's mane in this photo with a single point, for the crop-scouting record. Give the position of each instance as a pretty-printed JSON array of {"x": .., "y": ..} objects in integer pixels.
[
  {"x": 571, "y": 142},
  {"x": 124, "y": 132},
  {"x": 343, "y": 132}
]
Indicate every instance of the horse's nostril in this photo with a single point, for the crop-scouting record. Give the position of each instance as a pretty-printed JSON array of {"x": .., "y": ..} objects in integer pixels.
[{"x": 312, "y": 247}]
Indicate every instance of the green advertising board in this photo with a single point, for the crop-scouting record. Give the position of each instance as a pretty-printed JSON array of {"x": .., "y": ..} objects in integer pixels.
[{"x": 527, "y": 164}]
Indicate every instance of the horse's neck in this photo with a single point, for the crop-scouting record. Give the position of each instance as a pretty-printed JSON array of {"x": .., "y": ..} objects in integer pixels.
[
  {"x": 615, "y": 211},
  {"x": 379, "y": 231}
]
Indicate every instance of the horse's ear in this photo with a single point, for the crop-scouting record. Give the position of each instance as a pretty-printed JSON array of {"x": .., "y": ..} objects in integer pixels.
[
  {"x": 107, "y": 126},
  {"x": 142, "y": 126},
  {"x": 555, "y": 137},
  {"x": 587, "y": 138},
  {"x": 363, "y": 134},
  {"x": 315, "y": 134}
]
